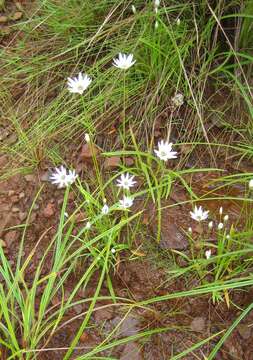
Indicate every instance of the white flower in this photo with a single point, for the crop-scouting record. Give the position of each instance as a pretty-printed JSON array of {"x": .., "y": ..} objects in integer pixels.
[
  {"x": 79, "y": 84},
  {"x": 220, "y": 226},
  {"x": 156, "y": 25},
  {"x": 228, "y": 237},
  {"x": 61, "y": 178},
  {"x": 210, "y": 224},
  {"x": 178, "y": 22},
  {"x": 126, "y": 202},
  {"x": 113, "y": 251},
  {"x": 124, "y": 61},
  {"x": 87, "y": 137},
  {"x": 126, "y": 181},
  {"x": 221, "y": 210},
  {"x": 66, "y": 215},
  {"x": 199, "y": 214},
  {"x": 72, "y": 176},
  {"x": 157, "y": 3},
  {"x": 226, "y": 217},
  {"x": 133, "y": 9},
  {"x": 88, "y": 225},
  {"x": 251, "y": 184},
  {"x": 105, "y": 209},
  {"x": 178, "y": 99},
  {"x": 164, "y": 151},
  {"x": 208, "y": 254},
  {"x": 190, "y": 230}
]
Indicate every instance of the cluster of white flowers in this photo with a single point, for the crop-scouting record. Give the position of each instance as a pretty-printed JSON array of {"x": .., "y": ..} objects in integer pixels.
[{"x": 126, "y": 181}]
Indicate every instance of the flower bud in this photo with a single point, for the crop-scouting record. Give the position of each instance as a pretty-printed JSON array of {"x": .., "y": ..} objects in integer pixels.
[{"x": 220, "y": 226}]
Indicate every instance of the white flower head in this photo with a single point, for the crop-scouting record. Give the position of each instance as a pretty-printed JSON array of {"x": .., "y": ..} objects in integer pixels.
[
  {"x": 88, "y": 225},
  {"x": 113, "y": 251},
  {"x": 133, "y": 9},
  {"x": 251, "y": 184},
  {"x": 226, "y": 217},
  {"x": 210, "y": 224},
  {"x": 157, "y": 3},
  {"x": 208, "y": 254},
  {"x": 178, "y": 22},
  {"x": 79, "y": 84},
  {"x": 199, "y": 214},
  {"x": 105, "y": 209},
  {"x": 178, "y": 99},
  {"x": 156, "y": 25},
  {"x": 190, "y": 230},
  {"x": 124, "y": 61},
  {"x": 164, "y": 151},
  {"x": 61, "y": 178},
  {"x": 87, "y": 137},
  {"x": 221, "y": 210},
  {"x": 220, "y": 226},
  {"x": 126, "y": 181},
  {"x": 228, "y": 237},
  {"x": 126, "y": 202}
]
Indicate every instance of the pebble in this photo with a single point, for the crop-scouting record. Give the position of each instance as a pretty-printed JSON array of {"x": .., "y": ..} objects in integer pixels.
[
  {"x": 21, "y": 195},
  {"x": 3, "y": 19},
  {"x": 22, "y": 216},
  {"x": 10, "y": 236},
  {"x": 49, "y": 210},
  {"x": 198, "y": 324},
  {"x": 11, "y": 192},
  {"x": 29, "y": 178}
]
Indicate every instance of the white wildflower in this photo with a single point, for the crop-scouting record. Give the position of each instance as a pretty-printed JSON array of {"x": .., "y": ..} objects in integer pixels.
[
  {"x": 228, "y": 237},
  {"x": 221, "y": 210},
  {"x": 61, "y": 178},
  {"x": 88, "y": 225},
  {"x": 178, "y": 22},
  {"x": 210, "y": 225},
  {"x": 126, "y": 202},
  {"x": 164, "y": 151},
  {"x": 79, "y": 84},
  {"x": 208, "y": 254},
  {"x": 156, "y": 25},
  {"x": 66, "y": 215},
  {"x": 190, "y": 230},
  {"x": 126, "y": 181},
  {"x": 157, "y": 3},
  {"x": 133, "y": 9},
  {"x": 251, "y": 184},
  {"x": 87, "y": 137},
  {"x": 178, "y": 99},
  {"x": 113, "y": 251},
  {"x": 199, "y": 214},
  {"x": 226, "y": 217},
  {"x": 124, "y": 61},
  {"x": 220, "y": 226},
  {"x": 105, "y": 209}
]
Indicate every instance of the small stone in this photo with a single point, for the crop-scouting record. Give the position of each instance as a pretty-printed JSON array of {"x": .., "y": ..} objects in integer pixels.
[
  {"x": 10, "y": 237},
  {"x": 45, "y": 176},
  {"x": 129, "y": 161},
  {"x": 11, "y": 139},
  {"x": 103, "y": 314},
  {"x": 78, "y": 308},
  {"x": 30, "y": 178},
  {"x": 22, "y": 216},
  {"x": 3, "y": 19},
  {"x": 88, "y": 151},
  {"x": 49, "y": 210},
  {"x": 244, "y": 331},
  {"x": 198, "y": 324},
  {"x": 21, "y": 195},
  {"x": 11, "y": 192},
  {"x": 112, "y": 162},
  {"x": 15, "y": 209},
  {"x": 17, "y": 16}
]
